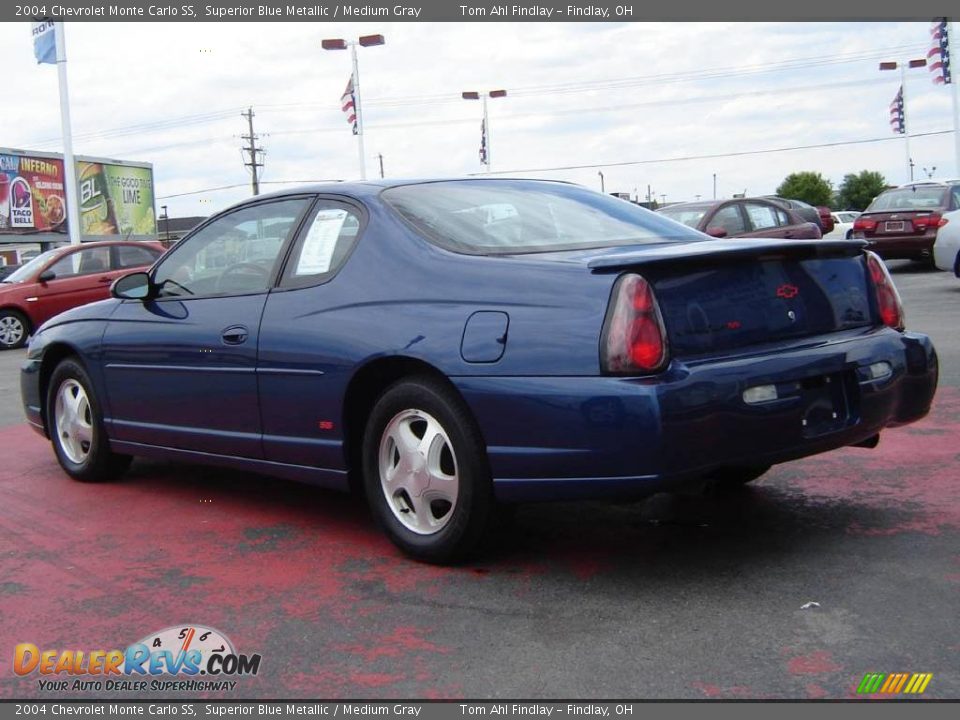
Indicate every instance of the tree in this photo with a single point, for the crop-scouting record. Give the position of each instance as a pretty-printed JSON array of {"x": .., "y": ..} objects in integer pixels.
[
  {"x": 858, "y": 191},
  {"x": 811, "y": 187}
]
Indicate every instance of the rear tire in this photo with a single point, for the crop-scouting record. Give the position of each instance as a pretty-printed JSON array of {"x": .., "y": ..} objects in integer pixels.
[
  {"x": 425, "y": 471},
  {"x": 14, "y": 329},
  {"x": 75, "y": 424}
]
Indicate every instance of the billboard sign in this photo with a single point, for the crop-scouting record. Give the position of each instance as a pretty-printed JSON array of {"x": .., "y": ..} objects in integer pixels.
[
  {"x": 116, "y": 198},
  {"x": 31, "y": 194}
]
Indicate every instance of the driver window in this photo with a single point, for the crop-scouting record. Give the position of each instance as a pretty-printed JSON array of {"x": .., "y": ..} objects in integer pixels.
[{"x": 233, "y": 255}]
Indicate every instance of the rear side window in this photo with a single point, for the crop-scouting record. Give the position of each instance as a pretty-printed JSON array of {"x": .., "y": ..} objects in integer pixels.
[
  {"x": 324, "y": 243},
  {"x": 511, "y": 216},
  {"x": 761, "y": 216},
  {"x": 129, "y": 256},
  {"x": 910, "y": 198}
]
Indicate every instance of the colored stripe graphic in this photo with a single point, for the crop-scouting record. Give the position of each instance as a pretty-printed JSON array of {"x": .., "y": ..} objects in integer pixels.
[
  {"x": 894, "y": 683},
  {"x": 870, "y": 683}
]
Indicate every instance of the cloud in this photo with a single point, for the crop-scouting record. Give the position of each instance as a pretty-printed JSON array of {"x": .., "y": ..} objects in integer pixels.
[{"x": 579, "y": 94}]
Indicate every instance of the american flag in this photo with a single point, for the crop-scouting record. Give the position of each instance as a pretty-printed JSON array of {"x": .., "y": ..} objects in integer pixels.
[
  {"x": 483, "y": 143},
  {"x": 938, "y": 58},
  {"x": 348, "y": 103},
  {"x": 897, "y": 124}
]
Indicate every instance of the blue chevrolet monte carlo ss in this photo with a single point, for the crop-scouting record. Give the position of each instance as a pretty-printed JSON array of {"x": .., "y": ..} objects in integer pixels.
[{"x": 458, "y": 344}]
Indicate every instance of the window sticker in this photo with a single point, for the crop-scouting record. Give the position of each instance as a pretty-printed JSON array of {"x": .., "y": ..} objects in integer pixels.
[{"x": 321, "y": 241}]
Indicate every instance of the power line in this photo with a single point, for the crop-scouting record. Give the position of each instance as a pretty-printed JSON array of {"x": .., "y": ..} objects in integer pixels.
[{"x": 714, "y": 156}]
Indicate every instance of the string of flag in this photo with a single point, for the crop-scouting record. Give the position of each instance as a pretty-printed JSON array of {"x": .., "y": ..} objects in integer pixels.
[
  {"x": 938, "y": 57},
  {"x": 483, "y": 143},
  {"x": 897, "y": 124},
  {"x": 348, "y": 103}
]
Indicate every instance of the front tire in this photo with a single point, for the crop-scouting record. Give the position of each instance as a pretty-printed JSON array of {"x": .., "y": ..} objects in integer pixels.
[
  {"x": 75, "y": 423},
  {"x": 14, "y": 329},
  {"x": 425, "y": 470}
]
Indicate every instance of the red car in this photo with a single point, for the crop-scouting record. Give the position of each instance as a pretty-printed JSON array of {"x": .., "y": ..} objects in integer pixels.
[
  {"x": 64, "y": 278},
  {"x": 742, "y": 217},
  {"x": 902, "y": 223}
]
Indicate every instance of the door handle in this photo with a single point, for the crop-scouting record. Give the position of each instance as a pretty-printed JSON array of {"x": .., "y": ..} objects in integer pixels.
[
  {"x": 235, "y": 335},
  {"x": 105, "y": 280}
]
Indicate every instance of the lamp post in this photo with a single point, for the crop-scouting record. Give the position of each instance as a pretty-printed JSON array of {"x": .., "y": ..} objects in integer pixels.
[
  {"x": 602, "y": 188},
  {"x": 485, "y": 139},
  {"x": 902, "y": 65},
  {"x": 341, "y": 44},
  {"x": 166, "y": 223}
]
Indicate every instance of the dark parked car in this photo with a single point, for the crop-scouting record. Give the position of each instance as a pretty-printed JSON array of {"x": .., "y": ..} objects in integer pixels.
[
  {"x": 808, "y": 212},
  {"x": 456, "y": 344},
  {"x": 903, "y": 222},
  {"x": 742, "y": 217},
  {"x": 61, "y": 279}
]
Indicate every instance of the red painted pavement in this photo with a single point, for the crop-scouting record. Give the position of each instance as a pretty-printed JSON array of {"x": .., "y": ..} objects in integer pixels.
[{"x": 301, "y": 575}]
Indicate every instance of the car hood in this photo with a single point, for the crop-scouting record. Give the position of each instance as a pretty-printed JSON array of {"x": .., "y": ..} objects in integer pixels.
[{"x": 100, "y": 310}]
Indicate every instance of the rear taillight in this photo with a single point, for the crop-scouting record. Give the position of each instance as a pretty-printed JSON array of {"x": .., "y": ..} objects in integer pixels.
[
  {"x": 862, "y": 223},
  {"x": 634, "y": 340},
  {"x": 888, "y": 299},
  {"x": 934, "y": 220}
]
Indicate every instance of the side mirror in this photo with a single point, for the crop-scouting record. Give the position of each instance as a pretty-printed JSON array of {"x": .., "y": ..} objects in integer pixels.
[
  {"x": 717, "y": 232},
  {"x": 135, "y": 286},
  {"x": 46, "y": 276}
]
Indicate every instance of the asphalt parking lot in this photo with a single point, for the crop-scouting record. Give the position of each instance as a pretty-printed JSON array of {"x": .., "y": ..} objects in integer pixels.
[{"x": 694, "y": 596}]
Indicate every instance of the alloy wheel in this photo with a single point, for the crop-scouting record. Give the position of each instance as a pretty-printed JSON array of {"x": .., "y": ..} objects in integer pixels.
[
  {"x": 418, "y": 471},
  {"x": 74, "y": 421}
]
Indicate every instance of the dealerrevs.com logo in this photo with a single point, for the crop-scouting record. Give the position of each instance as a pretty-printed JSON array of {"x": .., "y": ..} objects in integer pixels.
[{"x": 199, "y": 658}]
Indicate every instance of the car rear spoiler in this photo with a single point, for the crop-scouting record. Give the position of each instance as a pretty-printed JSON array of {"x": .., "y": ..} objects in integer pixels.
[{"x": 724, "y": 250}]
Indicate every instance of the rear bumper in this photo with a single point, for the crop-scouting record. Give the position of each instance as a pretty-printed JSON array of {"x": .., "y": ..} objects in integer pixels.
[
  {"x": 590, "y": 437},
  {"x": 901, "y": 247}
]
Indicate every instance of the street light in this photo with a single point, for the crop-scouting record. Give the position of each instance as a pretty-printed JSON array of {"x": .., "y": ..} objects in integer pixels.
[
  {"x": 166, "y": 223},
  {"x": 341, "y": 44},
  {"x": 485, "y": 138},
  {"x": 902, "y": 65}
]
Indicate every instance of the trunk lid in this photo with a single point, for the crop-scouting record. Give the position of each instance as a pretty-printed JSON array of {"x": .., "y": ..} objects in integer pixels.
[{"x": 716, "y": 296}]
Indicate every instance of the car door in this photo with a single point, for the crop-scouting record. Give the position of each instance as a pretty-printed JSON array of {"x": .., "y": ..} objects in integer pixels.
[
  {"x": 79, "y": 277},
  {"x": 180, "y": 369},
  {"x": 301, "y": 344},
  {"x": 728, "y": 218}
]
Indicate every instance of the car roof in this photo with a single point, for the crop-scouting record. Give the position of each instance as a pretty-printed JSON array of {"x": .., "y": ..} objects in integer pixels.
[
  {"x": 932, "y": 181},
  {"x": 375, "y": 186}
]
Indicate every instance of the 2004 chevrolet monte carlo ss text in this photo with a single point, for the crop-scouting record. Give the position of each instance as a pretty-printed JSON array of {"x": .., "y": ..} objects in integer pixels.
[{"x": 454, "y": 345}]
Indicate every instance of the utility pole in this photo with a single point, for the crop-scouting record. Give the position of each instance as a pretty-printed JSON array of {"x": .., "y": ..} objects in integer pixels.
[
  {"x": 380, "y": 157},
  {"x": 252, "y": 151}
]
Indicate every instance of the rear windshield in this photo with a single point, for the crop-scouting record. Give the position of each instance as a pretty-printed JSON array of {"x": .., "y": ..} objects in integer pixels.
[
  {"x": 509, "y": 216},
  {"x": 689, "y": 215},
  {"x": 912, "y": 198}
]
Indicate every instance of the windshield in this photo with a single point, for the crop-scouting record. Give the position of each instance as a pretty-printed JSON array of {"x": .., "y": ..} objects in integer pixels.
[
  {"x": 690, "y": 215},
  {"x": 27, "y": 271},
  {"x": 912, "y": 198},
  {"x": 511, "y": 216}
]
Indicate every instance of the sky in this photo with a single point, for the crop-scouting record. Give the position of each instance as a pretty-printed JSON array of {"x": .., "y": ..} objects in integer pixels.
[{"x": 593, "y": 94}]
